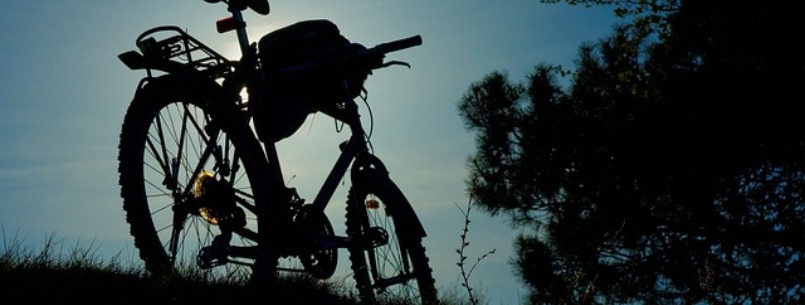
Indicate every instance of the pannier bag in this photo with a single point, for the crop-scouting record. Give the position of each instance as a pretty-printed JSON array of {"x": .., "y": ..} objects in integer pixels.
[{"x": 287, "y": 98}]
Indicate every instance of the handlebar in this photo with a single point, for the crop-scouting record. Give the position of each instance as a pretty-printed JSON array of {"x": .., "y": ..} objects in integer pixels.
[
  {"x": 364, "y": 59},
  {"x": 372, "y": 58},
  {"x": 398, "y": 45}
]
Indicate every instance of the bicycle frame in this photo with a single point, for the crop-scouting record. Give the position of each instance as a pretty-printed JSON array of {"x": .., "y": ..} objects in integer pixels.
[{"x": 354, "y": 149}]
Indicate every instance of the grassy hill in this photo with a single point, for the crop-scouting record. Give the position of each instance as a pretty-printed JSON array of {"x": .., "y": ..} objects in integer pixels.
[{"x": 78, "y": 276}]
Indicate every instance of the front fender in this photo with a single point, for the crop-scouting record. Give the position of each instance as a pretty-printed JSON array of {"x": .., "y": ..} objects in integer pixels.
[{"x": 368, "y": 169}]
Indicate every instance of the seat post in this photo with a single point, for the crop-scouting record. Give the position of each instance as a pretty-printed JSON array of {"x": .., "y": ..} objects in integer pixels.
[{"x": 240, "y": 28}]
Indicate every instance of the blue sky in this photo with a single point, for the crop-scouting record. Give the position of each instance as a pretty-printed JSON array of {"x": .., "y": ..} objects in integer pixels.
[{"x": 63, "y": 95}]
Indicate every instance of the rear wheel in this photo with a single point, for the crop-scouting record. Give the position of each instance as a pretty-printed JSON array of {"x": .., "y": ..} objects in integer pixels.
[
  {"x": 388, "y": 266},
  {"x": 190, "y": 185}
]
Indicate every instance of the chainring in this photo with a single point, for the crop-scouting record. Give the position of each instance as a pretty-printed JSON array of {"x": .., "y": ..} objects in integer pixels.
[{"x": 313, "y": 226}]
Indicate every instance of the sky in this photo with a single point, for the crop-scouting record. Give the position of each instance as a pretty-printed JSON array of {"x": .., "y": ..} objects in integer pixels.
[{"x": 63, "y": 95}]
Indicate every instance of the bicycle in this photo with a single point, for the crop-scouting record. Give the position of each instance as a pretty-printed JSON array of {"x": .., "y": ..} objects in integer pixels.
[{"x": 201, "y": 181}]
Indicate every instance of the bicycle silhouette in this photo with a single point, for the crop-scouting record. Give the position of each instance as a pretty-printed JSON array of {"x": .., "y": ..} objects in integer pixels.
[{"x": 201, "y": 181}]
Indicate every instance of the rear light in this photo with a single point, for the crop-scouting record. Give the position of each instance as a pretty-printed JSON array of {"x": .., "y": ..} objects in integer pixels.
[{"x": 227, "y": 24}]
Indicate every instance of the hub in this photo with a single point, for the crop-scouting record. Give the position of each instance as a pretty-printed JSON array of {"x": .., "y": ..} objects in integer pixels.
[{"x": 215, "y": 202}]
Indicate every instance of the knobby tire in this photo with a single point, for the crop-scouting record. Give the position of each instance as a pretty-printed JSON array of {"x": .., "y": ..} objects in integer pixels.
[{"x": 403, "y": 255}]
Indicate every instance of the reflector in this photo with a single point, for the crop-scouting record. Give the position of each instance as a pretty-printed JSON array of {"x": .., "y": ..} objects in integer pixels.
[{"x": 225, "y": 25}]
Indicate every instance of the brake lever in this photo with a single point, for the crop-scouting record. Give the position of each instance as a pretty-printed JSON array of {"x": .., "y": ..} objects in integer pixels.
[{"x": 395, "y": 63}]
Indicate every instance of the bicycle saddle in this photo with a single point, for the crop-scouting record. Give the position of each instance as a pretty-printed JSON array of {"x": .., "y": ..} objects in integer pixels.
[{"x": 259, "y": 6}]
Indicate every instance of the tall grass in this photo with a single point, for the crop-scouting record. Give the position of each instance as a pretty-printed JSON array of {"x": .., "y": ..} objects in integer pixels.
[
  {"x": 78, "y": 275},
  {"x": 73, "y": 274}
]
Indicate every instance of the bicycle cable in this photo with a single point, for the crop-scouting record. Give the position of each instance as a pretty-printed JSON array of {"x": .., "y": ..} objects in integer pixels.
[
  {"x": 368, "y": 136},
  {"x": 365, "y": 98}
]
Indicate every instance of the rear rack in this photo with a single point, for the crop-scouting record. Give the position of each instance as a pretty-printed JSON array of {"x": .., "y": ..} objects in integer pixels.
[{"x": 178, "y": 47}]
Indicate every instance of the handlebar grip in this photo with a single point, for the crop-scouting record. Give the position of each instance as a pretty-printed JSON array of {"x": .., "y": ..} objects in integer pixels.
[{"x": 401, "y": 44}]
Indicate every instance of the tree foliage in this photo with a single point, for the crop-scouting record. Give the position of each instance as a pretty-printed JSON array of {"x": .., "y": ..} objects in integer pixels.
[{"x": 670, "y": 171}]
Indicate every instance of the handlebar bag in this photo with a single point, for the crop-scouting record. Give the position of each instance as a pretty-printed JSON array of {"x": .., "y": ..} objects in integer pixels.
[{"x": 301, "y": 67}]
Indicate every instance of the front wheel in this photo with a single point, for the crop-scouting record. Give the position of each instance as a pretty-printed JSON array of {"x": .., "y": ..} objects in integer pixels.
[{"x": 388, "y": 265}]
